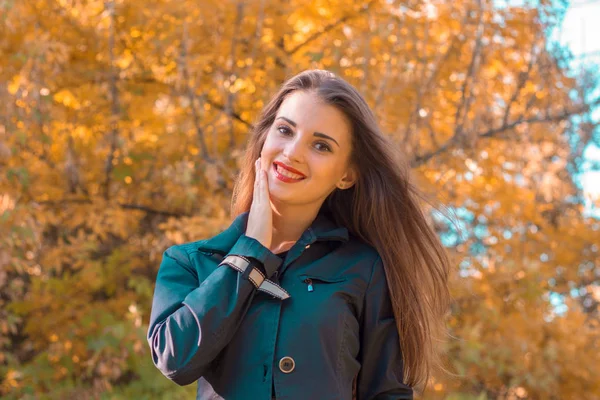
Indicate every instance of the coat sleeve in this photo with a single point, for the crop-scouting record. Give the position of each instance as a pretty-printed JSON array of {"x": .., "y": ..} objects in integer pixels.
[
  {"x": 381, "y": 373},
  {"x": 192, "y": 320}
]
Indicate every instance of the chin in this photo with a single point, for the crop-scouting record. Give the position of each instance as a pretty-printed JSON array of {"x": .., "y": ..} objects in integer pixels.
[
  {"x": 277, "y": 196},
  {"x": 282, "y": 197},
  {"x": 293, "y": 199}
]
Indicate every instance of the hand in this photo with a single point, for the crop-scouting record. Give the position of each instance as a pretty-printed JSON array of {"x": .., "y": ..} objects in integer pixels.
[{"x": 260, "y": 219}]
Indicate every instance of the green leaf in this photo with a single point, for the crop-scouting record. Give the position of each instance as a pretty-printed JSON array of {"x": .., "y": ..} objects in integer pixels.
[
  {"x": 122, "y": 171},
  {"x": 19, "y": 174},
  {"x": 315, "y": 56}
]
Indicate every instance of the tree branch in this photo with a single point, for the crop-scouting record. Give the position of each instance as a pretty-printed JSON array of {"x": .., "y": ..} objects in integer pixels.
[
  {"x": 192, "y": 95},
  {"x": 139, "y": 207},
  {"x": 114, "y": 100},
  {"x": 328, "y": 28},
  {"x": 523, "y": 77},
  {"x": 232, "y": 66},
  {"x": 465, "y": 100},
  {"x": 422, "y": 159}
]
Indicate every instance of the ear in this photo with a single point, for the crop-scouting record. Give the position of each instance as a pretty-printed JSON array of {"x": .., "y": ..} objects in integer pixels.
[{"x": 349, "y": 178}]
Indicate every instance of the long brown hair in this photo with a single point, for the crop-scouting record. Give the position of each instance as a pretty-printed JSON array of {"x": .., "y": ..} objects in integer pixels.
[{"x": 383, "y": 209}]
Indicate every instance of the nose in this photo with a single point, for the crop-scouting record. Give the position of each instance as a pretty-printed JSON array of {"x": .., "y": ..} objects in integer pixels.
[{"x": 293, "y": 150}]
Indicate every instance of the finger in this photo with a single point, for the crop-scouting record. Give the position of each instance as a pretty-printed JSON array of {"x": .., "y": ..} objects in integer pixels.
[
  {"x": 265, "y": 186},
  {"x": 255, "y": 192},
  {"x": 260, "y": 184},
  {"x": 257, "y": 182},
  {"x": 256, "y": 171}
]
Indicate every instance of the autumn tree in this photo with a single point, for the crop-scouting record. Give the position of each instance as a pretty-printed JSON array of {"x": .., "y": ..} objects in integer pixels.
[{"x": 122, "y": 127}]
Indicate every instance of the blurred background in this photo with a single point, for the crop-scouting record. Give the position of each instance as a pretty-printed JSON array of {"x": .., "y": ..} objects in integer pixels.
[{"x": 122, "y": 126}]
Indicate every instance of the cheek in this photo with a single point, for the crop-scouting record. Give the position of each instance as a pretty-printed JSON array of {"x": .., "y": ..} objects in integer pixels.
[
  {"x": 325, "y": 171},
  {"x": 268, "y": 149},
  {"x": 271, "y": 144}
]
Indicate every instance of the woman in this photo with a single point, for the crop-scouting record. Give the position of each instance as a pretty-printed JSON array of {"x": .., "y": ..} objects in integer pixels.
[{"x": 329, "y": 283}]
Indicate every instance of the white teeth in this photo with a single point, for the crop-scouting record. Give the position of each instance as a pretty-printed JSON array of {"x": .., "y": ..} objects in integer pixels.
[{"x": 287, "y": 173}]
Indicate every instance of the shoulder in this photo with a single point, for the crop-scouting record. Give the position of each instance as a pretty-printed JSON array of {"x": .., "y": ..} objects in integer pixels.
[
  {"x": 183, "y": 252},
  {"x": 364, "y": 254},
  {"x": 187, "y": 259},
  {"x": 362, "y": 250}
]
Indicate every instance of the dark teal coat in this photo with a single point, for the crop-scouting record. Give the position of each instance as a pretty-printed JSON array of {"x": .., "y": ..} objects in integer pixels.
[{"x": 210, "y": 324}]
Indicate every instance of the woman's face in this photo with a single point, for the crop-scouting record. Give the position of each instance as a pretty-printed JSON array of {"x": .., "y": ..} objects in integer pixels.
[{"x": 313, "y": 138}]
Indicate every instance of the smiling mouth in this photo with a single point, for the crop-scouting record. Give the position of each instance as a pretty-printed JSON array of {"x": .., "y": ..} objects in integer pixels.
[{"x": 289, "y": 176}]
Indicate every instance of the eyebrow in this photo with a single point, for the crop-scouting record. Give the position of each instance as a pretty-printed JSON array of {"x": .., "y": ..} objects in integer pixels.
[{"x": 319, "y": 134}]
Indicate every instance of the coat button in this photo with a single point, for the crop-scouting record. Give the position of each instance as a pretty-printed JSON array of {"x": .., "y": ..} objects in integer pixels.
[
  {"x": 287, "y": 365},
  {"x": 307, "y": 246}
]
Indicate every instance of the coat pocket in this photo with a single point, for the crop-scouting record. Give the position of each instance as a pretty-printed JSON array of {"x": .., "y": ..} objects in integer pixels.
[{"x": 313, "y": 281}]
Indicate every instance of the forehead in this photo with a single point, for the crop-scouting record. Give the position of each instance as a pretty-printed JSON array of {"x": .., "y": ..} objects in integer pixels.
[{"x": 311, "y": 114}]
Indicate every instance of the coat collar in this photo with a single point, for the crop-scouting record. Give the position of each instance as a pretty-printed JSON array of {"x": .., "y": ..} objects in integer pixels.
[{"x": 322, "y": 228}]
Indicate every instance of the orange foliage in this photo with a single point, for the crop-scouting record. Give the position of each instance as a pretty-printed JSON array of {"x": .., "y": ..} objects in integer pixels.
[{"x": 120, "y": 134}]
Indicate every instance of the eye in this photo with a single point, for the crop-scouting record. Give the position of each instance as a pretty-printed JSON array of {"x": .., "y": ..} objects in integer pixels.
[
  {"x": 325, "y": 146},
  {"x": 285, "y": 131}
]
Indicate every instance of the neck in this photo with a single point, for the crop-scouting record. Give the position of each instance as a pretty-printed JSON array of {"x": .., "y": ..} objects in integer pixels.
[{"x": 289, "y": 223}]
